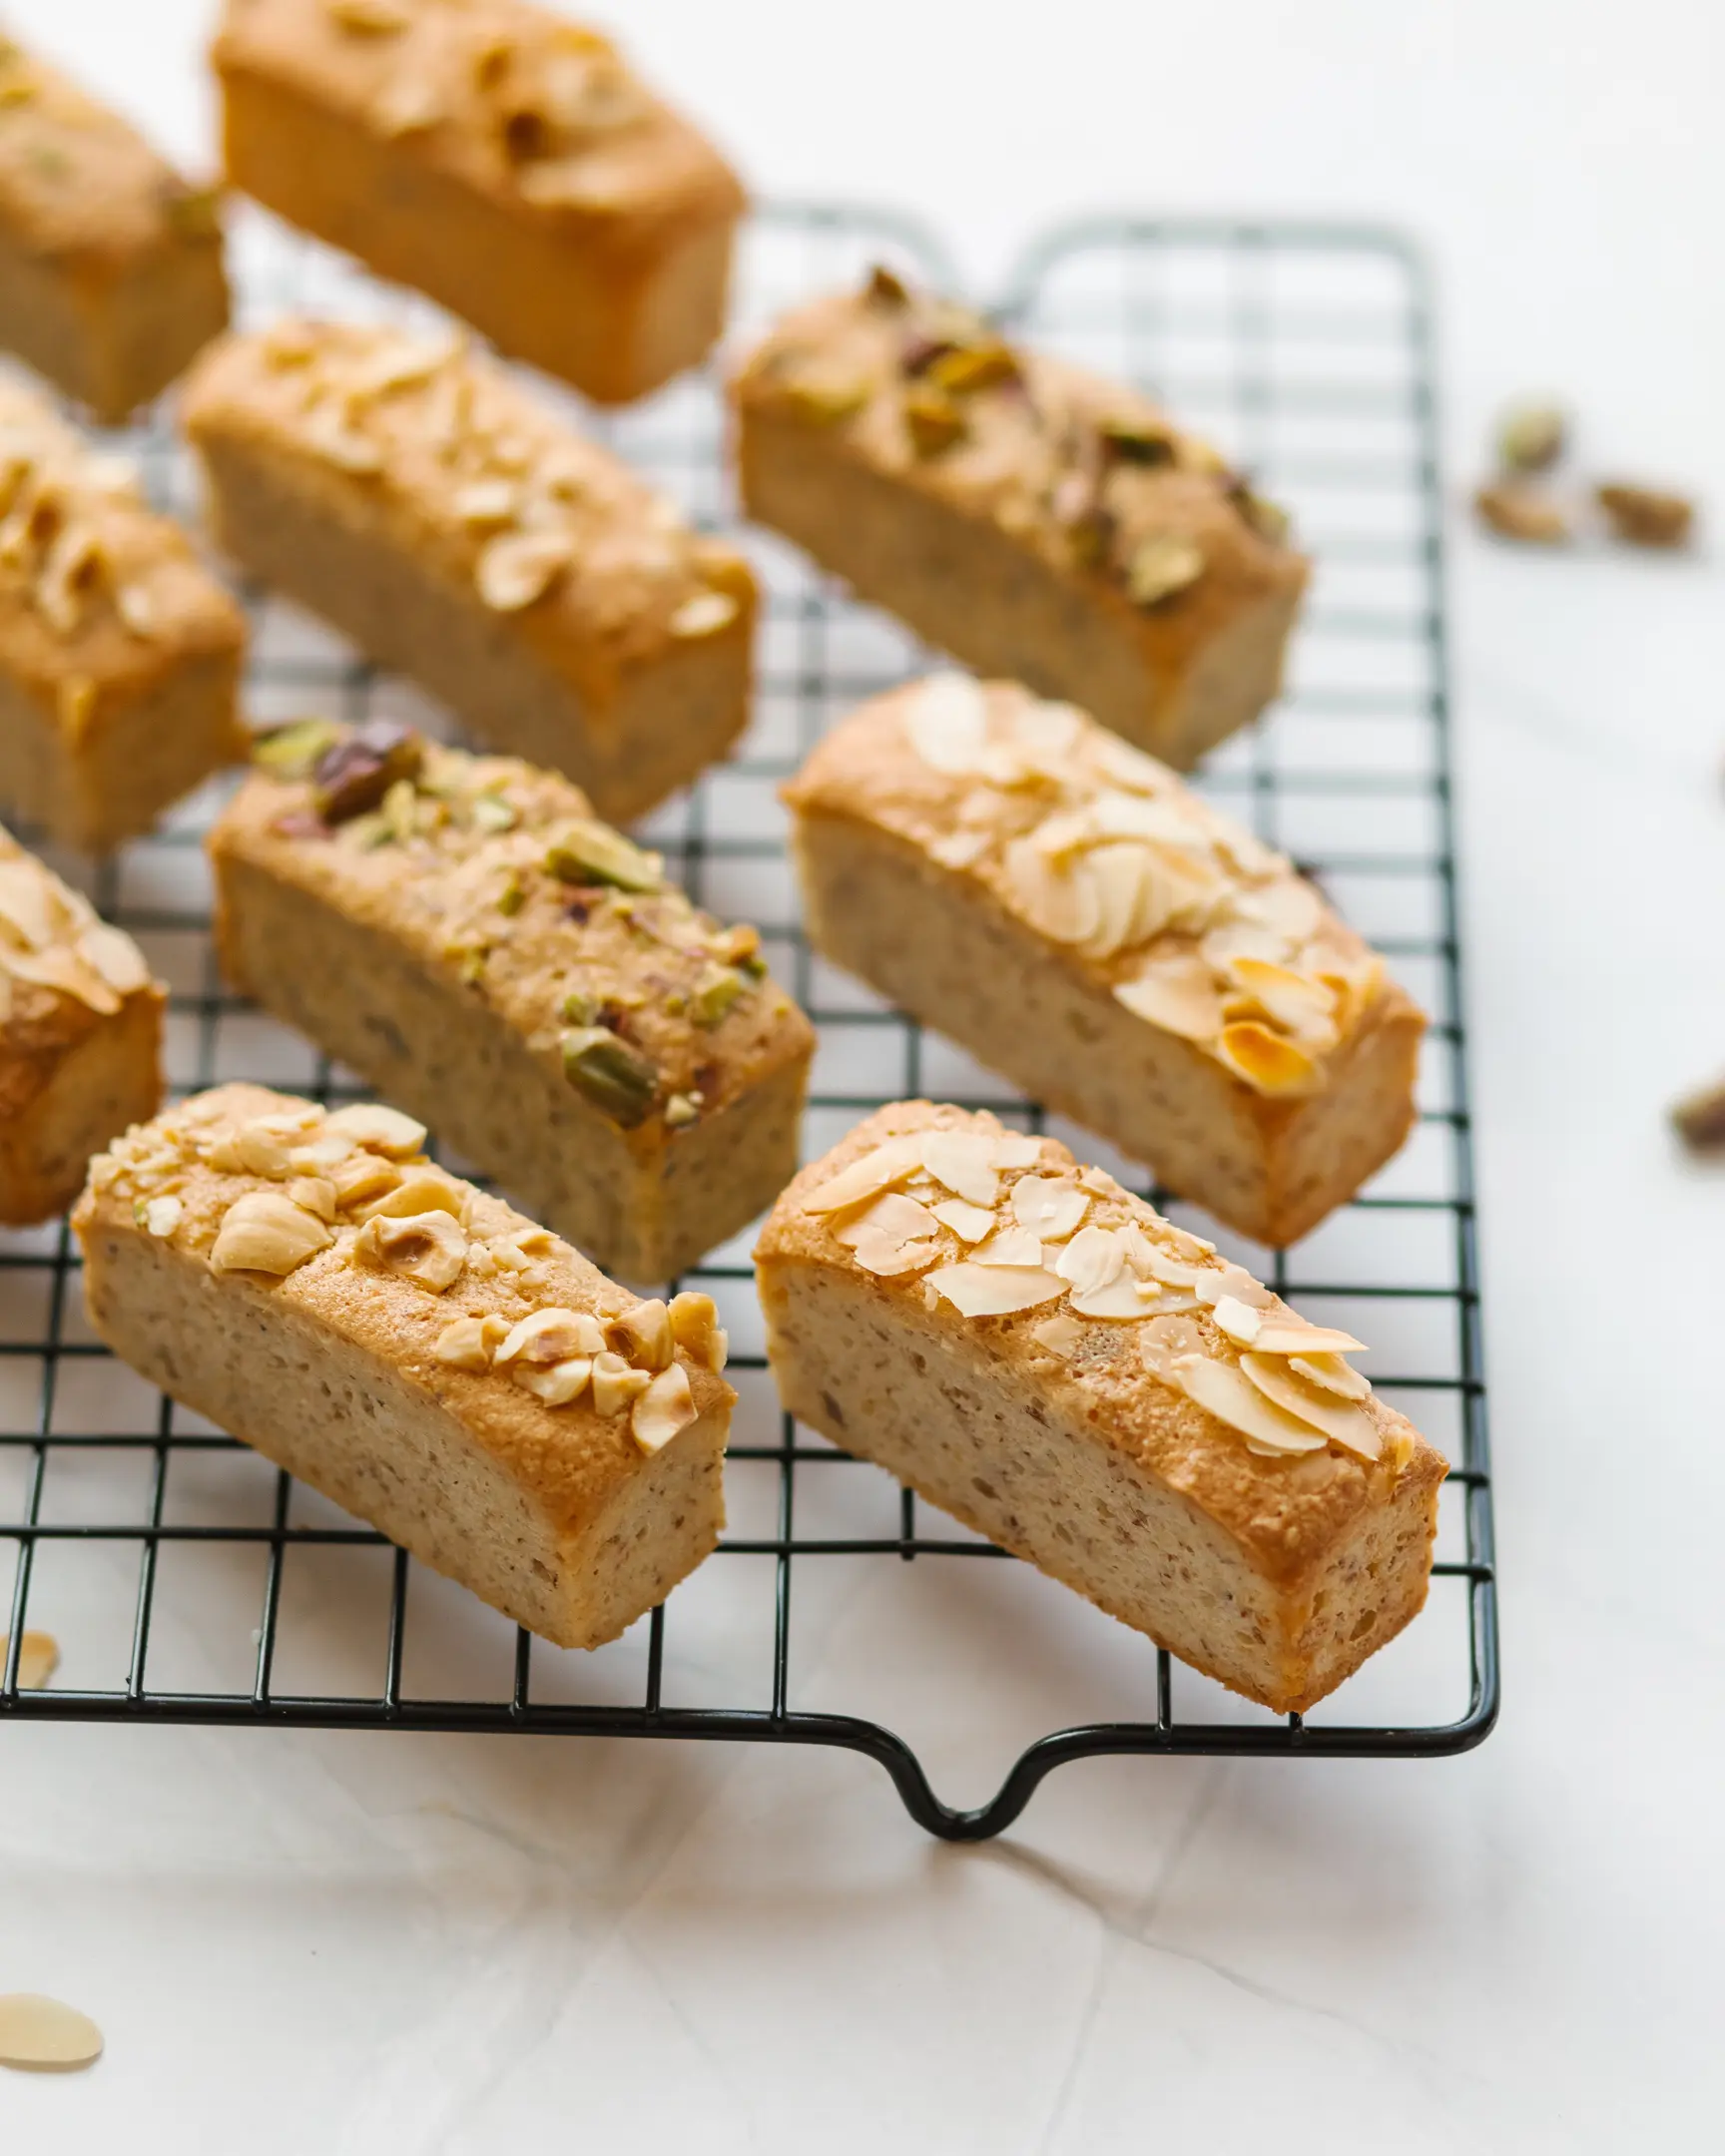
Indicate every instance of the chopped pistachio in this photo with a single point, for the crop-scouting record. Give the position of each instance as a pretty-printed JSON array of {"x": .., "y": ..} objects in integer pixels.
[
  {"x": 714, "y": 992},
  {"x": 580, "y": 1008},
  {"x": 619, "y": 1081},
  {"x": 934, "y": 420},
  {"x": 400, "y": 811},
  {"x": 586, "y": 853},
  {"x": 512, "y": 897},
  {"x": 472, "y": 965},
  {"x": 290, "y": 752},
  {"x": 491, "y": 812},
  {"x": 360, "y": 765},
  {"x": 1137, "y": 442}
]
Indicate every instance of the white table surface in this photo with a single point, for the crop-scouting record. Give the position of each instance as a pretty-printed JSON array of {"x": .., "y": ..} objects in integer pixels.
[{"x": 322, "y": 1943}]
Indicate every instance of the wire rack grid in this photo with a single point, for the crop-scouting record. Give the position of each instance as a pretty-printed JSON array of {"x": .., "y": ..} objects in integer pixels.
[{"x": 186, "y": 1580}]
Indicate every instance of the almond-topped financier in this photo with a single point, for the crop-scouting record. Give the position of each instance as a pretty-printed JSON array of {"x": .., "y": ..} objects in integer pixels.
[
  {"x": 426, "y": 505},
  {"x": 110, "y": 272},
  {"x": 1033, "y": 520},
  {"x": 466, "y": 935},
  {"x": 80, "y": 1037},
  {"x": 1038, "y": 1352},
  {"x": 498, "y": 156},
  {"x": 1078, "y": 919},
  {"x": 415, "y": 1350},
  {"x": 120, "y": 654}
]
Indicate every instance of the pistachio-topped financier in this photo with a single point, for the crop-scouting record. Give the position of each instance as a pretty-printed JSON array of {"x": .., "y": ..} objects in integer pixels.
[
  {"x": 80, "y": 1037},
  {"x": 415, "y": 1350},
  {"x": 464, "y": 932},
  {"x": 1037, "y": 522},
  {"x": 1043, "y": 1355},
  {"x": 1077, "y": 918},
  {"x": 111, "y": 269},
  {"x": 429, "y": 505}
]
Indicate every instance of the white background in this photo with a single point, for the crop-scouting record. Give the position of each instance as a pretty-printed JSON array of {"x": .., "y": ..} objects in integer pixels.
[{"x": 345, "y": 1944}]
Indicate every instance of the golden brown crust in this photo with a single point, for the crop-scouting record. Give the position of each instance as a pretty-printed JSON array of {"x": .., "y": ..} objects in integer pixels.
[
  {"x": 570, "y": 1458},
  {"x": 1159, "y": 538},
  {"x": 516, "y": 102},
  {"x": 447, "y": 457},
  {"x": 1284, "y": 1513},
  {"x": 458, "y": 870}
]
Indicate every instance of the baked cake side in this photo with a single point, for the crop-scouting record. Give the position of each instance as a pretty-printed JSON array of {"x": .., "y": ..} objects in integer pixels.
[
  {"x": 1038, "y": 1353},
  {"x": 420, "y": 1352},
  {"x": 1108, "y": 941},
  {"x": 1037, "y": 522}
]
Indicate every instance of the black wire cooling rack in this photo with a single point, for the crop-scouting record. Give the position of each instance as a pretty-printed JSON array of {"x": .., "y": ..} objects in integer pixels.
[{"x": 186, "y": 1580}]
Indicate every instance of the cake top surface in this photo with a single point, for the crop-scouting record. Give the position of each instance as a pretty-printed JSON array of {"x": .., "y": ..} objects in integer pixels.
[
  {"x": 77, "y": 181},
  {"x": 1189, "y": 920},
  {"x": 1162, "y": 1348},
  {"x": 519, "y": 102},
  {"x": 1088, "y": 473},
  {"x": 568, "y": 1379},
  {"x": 95, "y": 586},
  {"x": 498, "y": 875},
  {"x": 543, "y": 524},
  {"x": 62, "y": 970}
]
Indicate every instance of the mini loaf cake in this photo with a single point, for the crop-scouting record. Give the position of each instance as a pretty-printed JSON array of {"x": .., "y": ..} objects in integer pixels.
[
  {"x": 1036, "y": 522},
  {"x": 120, "y": 654},
  {"x": 1035, "y": 1350},
  {"x": 414, "y": 1350},
  {"x": 80, "y": 1037},
  {"x": 464, "y": 933},
  {"x": 502, "y": 160},
  {"x": 110, "y": 272},
  {"x": 421, "y": 500},
  {"x": 1068, "y": 911}
]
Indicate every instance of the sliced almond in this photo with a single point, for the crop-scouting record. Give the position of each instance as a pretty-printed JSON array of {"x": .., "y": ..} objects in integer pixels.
[
  {"x": 666, "y": 1408},
  {"x": 1216, "y": 1283},
  {"x": 552, "y": 1336},
  {"x": 945, "y": 719},
  {"x": 1060, "y": 1335},
  {"x": 519, "y": 567},
  {"x": 1013, "y": 1246},
  {"x": 1015, "y": 1148},
  {"x": 115, "y": 956},
  {"x": 487, "y": 501},
  {"x": 1347, "y": 1422},
  {"x": 995, "y": 1290},
  {"x": 887, "y": 1257},
  {"x": 37, "y": 2031},
  {"x": 1061, "y": 903},
  {"x": 558, "y": 1384},
  {"x": 1220, "y": 1390},
  {"x": 469, "y": 1344},
  {"x": 1176, "y": 993},
  {"x": 1267, "y": 1061},
  {"x": 1093, "y": 1257},
  {"x": 1121, "y": 1301},
  {"x": 1306, "y": 1007},
  {"x": 377, "y": 1127},
  {"x": 970, "y": 1222},
  {"x": 1332, "y": 1372},
  {"x": 893, "y": 1217},
  {"x": 878, "y": 1170},
  {"x": 1237, "y": 1320},
  {"x": 964, "y": 1161},
  {"x": 264, "y": 1232},
  {"x": 1052, "y": 1207},
  {"x": 1291, "y": 1336}
]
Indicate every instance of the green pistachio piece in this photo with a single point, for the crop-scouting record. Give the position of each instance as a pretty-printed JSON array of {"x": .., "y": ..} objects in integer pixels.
[
  {"x": 1138, "y": 441},
  {"x": 491, "y": 812},
  {"x": 512, "y": 897},
  {"x": 580, "y": 1008},
  {"x": 714, "y": 994},
  {"x": 585, "y": 853},
  {"x": 291, "y": 751},
  {"x": 472, "y": 966},
  {"x": 619, "y": 1081}
]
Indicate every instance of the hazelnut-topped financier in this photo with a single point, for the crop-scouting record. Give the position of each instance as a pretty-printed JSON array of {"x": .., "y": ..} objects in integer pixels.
[
  {"x": 1037, "y": 522},
  {"x": 415, "y": 1350},
  {"x": 498, "y": 156},
  {"x": 120, "y": 654},
  {"x": 466, "y": 935},
  {"x": 1067, "y": 910},
  {"x": 80, "y": 1037},
  {"x": 111, "y": 271},
  {"x": 457, "y": 529},
  {"x": 1043, "y": 1355}
]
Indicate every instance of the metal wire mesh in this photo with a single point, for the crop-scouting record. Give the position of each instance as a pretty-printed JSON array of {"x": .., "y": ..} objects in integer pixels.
[{"x": 188, "y": 1580}]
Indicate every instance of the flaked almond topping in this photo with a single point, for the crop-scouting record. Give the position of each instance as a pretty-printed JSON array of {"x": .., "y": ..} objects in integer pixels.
[
  {"x": 703, "y": 615},
  {"x": 970, "y": 1222},
  {"x": 339, "y": 442},
  {"x": 1013, "y": 1245},
  {"x": 1214, "y": 1284},
  {"x": 696, "y": 1328},
  {"x": 162, "y": 1216},
  {"x": 1124, "y": 1299},
  {"x": 115, "y": 956},
  {"x": 1293, "y": 1335},
  {"x": 1052, "y": 1207},
  {"x": 976, "y": 1291},
  {"x": 666, "y": 1408},
  {"x": 377, "y": 1127},
  {"x": 428, "y": 1249},
  {"x": 469, "y": 1344},
  {"x": 1346, "y": 1423},
  {"x": 552, "y": 1336},
  {"x": 1332, "y": 1374},
  {"x": 1221, "y": 1390},
  {"x": 643, "y": 1334},
  {"x": 894, "y": 1235},
  {"x": 946, "y": 720},
  {"x": 487, "y": 501},
  {"x": 39, "y": 2032},
  {"x": 1237, "y": 1320},
  {"x": 265, "y": 1232},
  {"x": 1176, "y": 993},
  {"x": 1014, "y": 1150},
  {"x": 38, "y": 1658},
  {"x": 865, "y": 1178},
  {"x": 1060, "y": 1335},
  {"x": 520, "y": 567},
  {"x": 1266, "y": 1061},
  {"x": 964, "y": 1161},
  {"x": 616, "y": 1383},
  {"x": 1093, "y": 1257}
]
